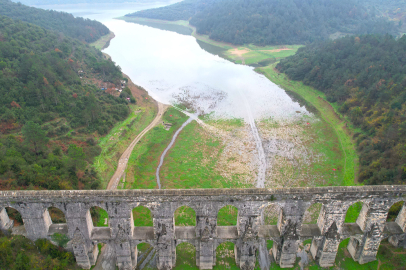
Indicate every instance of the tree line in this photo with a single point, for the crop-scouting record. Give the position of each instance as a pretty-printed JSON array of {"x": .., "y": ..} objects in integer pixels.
[
  {"x": 365, "y": 76},
  {"x": 273, "y": 22},
  {"x": 83, "y": 29},
  {"x": 48, "y": 118}
]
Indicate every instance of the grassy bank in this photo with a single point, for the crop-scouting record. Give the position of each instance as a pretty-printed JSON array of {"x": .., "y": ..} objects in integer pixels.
[
  {"x": 327, "y": 113},
  {"x": 103, "y": 42},
  {"x": 118, "y": 139},
  {"x": 145, "y": 157},
  {"x": 193, "y": 160}
]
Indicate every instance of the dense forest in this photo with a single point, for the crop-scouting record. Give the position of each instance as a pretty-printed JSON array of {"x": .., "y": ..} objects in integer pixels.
[
  {"x": 366, "y": 77},
  {"x": 83, "y": 29},
  {"x": 273, "y": 22},
  {"x": 47, "y": 115},
  {"x": 20, "y": 253}
]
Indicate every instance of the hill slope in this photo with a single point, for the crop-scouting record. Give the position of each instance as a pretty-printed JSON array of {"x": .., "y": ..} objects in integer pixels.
[
  {"x": 83, "y": 29},
  {"x": 366, "y": 77},
  {"x": 272, "y": 22},
  {"x": 47, "y": 116}
]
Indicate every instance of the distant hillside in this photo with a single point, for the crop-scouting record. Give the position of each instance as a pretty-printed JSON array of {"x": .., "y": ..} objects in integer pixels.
[
  {"x": 365, "y": 76},
  {"x": 83, "y": 29},
  {"x": 273, "y": 22},
  {"x": 68, "y": 2},
  {"x": 48, "y": 117}
]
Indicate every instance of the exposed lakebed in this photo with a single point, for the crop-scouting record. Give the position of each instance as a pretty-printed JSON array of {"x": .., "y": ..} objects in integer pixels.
[{"x": 176, "y": 70}]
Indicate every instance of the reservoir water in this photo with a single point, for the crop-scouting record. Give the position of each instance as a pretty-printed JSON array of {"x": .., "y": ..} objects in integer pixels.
[{"x": 174, "y": 68}]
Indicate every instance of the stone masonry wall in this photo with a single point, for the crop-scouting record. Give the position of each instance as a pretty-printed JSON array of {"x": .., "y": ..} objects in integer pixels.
[{"x": 249, "y": 236}]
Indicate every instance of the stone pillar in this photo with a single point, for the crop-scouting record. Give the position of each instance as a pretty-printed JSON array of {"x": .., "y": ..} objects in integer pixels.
[
  {"x": 124, "y": 254},
  {"x": 400, "y": 240},
  {"x": 120, "y": 218},
  {"x": 248, "y": 222},
  {"x": 372, "y": 221},
  {"x": 290, "y": 226},
  {"x": 330, "y": 222},
  {"x": 5, "y": 223},
  {"x": 206, "y": 232},
  {"x": 324, "y": 249},
  {"x": 36, "y": 220},
  {"x": 164, "y": 235},
  {"x": 78, "y": 218},
  {"x": 80, "y": 250}
]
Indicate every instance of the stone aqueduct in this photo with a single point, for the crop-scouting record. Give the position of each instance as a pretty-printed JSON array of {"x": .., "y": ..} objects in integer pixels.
[{"x": 249, "y": 236}]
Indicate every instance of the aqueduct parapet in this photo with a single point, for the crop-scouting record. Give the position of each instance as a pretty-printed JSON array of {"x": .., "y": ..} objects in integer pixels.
[{"x": 249, "y": 235}]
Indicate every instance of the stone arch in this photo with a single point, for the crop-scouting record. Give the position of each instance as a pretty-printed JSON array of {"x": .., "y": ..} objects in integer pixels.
[
  {"x": 394, "y": 211},
  {"x": 185, "y": 216},
  {"x": 15, "y": 216},
  {"x": 312, "y": 213},
  {"x": 271, "y": 213},
  {"x": 226, "y": 254},
  {"x": 227, "y": 216},
  {"x": 353, "y": 212},
  {"x": 99, "y": 216},
  {"x": 56, "y": 215},
  {"x": 185, "y": 255},
  {"x": 142, "y": 216}
]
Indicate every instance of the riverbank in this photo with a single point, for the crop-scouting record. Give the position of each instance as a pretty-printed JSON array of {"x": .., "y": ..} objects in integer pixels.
[
  {"x": 120, "y": 137},
  {"x": 243, "y": 54},
  {"x": 103, "y": 42},
  {"x": 327, "y": 113}
]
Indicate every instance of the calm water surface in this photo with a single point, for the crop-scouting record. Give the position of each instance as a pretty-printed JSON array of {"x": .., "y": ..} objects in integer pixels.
[{"x": 174, "y": 69}]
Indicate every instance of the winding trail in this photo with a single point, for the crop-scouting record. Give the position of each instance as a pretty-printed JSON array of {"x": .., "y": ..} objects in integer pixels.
[
  {"x": 161, "y": 161},
  {"x": 122, "y": 163}
]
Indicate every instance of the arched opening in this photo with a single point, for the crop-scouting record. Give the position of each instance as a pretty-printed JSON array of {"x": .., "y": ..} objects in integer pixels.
[
  {"x": 100, "y": 217},
  {"x": 185, "y": 216},
  {"x": 271, "y": 214},
  {"x": 146, "y": 258},
  {"x": 353, "y": 212},
  {"x": 57, "y": 216},
  {"x": 394, "y": 211},
  {"x": 185, "y": 257},
  {"x": 14, "y": 216},
  {"x": 312, "y": 214},
  {"x": 225, "y": 256},
  {"x": 227, "y": 216},
  {"x": 142, "y": 217}
]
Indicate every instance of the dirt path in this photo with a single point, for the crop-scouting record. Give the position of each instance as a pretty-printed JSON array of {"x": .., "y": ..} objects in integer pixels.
[{"x": 122, "y": 163}]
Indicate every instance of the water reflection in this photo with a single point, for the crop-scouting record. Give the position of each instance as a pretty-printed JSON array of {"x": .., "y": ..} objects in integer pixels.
[{"x": 172, "y": 66}]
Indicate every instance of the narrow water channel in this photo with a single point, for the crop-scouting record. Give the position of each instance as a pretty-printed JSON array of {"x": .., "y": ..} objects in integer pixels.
[{"x": 161, "y": 160}]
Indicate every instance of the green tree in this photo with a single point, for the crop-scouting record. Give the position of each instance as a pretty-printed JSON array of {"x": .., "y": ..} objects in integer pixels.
[
  {"x": 77, "y": 156},
  {"x": 34, "y": 136}
]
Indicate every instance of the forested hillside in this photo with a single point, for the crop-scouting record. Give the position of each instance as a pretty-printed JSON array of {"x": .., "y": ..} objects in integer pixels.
[
  {"x": 273, "y": 22},
  {"x": 366, "y": 76},
  {"x": 47, "y": 115},
  {"x": 83, "y": 29}
]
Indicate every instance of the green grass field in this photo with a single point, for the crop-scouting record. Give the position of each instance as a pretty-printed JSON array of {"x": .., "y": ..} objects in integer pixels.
[
  {"x": 118, "y": 139},
  {"x": 145, "y": 157},
  {"x": 256, "y": 55}
]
